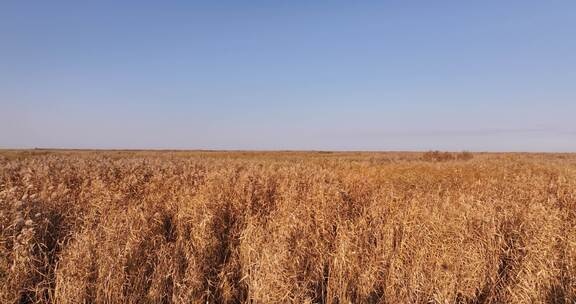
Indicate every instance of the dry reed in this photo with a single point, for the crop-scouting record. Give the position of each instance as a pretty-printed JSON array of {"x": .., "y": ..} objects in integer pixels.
[{"x": 244, "y": 227}]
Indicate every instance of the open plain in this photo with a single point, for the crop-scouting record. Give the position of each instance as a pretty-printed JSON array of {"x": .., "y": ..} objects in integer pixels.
[{"x": 286, "y": 227}]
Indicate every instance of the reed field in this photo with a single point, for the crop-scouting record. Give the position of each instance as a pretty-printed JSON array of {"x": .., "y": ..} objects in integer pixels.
[{"x": 286, "y": 227}]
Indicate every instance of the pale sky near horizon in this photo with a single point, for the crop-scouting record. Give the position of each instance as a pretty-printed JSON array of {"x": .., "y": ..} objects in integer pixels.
[{"x": 297, "y": 75}]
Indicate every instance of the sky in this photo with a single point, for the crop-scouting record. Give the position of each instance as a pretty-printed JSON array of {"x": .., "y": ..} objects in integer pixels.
[{"x": 289, "y": 75}]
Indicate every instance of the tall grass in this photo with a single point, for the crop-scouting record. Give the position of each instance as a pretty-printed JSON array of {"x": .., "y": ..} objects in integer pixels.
[{"x": 96, "y": 227}]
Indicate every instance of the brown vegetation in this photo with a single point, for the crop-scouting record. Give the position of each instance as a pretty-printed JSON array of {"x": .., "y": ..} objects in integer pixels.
[
  {"x": 446, "y": 156},
  {"x": 238, "y": 227}
]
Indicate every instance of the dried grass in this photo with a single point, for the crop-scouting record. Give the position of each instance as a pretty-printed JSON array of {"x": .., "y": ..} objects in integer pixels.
[{"x": 239, "y": 227}]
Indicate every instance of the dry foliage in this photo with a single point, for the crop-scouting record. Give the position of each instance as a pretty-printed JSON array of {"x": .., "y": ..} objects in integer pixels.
[{"x": 239, "y": 227}]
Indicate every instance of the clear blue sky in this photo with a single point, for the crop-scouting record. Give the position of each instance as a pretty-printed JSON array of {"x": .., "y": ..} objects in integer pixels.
[{"x": 332, "y": 75}]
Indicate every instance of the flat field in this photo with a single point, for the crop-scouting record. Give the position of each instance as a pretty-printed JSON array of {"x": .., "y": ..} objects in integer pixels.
[{"x": 286, "y": 227}]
